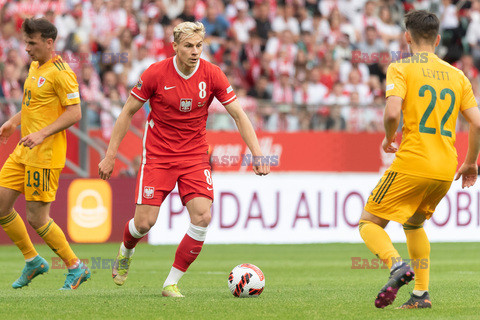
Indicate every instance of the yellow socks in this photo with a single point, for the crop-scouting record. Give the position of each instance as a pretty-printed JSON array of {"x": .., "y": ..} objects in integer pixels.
[
  {"x": 55, "y": 239},
  {"x": 16, "y": 230},
  {"x": 419, "y": 251},
  {"x": 378, "y": 241}
]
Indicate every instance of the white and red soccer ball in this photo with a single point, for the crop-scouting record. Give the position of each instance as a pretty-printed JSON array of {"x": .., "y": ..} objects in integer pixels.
[{"x": 246, "y": 280}]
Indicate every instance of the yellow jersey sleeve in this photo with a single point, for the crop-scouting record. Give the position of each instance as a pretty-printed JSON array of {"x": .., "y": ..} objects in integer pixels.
[
  {"x": 396, "y": 82},
  {"x": 468, "y": 99},
  {"x": 66, "y": 88}
]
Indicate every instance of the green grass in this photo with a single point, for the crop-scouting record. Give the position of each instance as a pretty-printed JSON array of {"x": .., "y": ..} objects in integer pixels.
[{"x": 302, "y": 282}]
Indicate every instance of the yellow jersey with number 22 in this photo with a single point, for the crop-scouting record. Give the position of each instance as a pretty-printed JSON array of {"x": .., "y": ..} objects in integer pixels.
[{"x": 433, "y": 93}]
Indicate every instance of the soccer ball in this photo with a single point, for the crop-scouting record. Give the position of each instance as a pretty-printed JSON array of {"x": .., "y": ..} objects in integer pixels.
[{"x": 246, "y": 280}]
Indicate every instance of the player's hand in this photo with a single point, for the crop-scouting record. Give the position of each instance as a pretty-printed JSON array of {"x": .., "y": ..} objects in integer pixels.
[
  {"x": 105, "y": 167},
  {"x": 469, "y": 173},
  {"x": 388, "y": 146},
  {"x": 259, "y": 167},
  {"x": 32, "y": 140},
  {"x": 6, "y": 130}
]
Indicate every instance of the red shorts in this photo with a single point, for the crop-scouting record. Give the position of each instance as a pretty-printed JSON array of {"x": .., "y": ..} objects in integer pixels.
[{"x": 156, "y": 180}]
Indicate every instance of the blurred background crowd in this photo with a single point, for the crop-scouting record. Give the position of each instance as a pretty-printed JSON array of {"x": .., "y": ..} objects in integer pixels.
[{"x": 295, "y": 64}]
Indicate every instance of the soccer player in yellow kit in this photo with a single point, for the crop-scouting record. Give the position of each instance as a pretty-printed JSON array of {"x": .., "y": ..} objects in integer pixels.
[
  {"x": 431, "y": 93},
  {"x": 51, "y": 104}
]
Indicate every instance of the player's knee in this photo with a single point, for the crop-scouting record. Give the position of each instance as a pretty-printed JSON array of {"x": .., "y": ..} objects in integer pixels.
[
  {"x": 5, "y": 210},
  {"x": 202, "y": 218},
  {"x": 143, "y": 227},
  {"x": 35, "y": 221}
]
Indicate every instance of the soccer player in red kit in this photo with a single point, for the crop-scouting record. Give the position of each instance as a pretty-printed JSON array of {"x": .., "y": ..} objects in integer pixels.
[{"x": 180, "y": 90}]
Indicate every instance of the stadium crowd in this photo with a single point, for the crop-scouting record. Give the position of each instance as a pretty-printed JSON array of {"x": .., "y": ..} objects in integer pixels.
[{"x": 295, "y": 64}]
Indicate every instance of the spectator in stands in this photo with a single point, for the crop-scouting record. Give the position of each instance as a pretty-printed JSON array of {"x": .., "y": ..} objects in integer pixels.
[
  {"x": 11, "y": 80},
  {"x": 367, "y": 18},
  {"x": 379, "y": 68},
  {"x": 467, "y": 66},
  {"x": 355, "y": 84},
  {"x": 216, "y": 27},
  {"x": 337, "y": 96},
  {"x": 320, "y": 27},
  {"x": 450, "y": 31},
  {"x": 8, "y": 41},
  {"x": 473, "y": 32},
  {"x": 304, "y": 119},
  {"x": 261, "y": 90},
  {"x": 285, "y": 20},
  {"x": 283, "y": 90},
  {"x": 175, "y": 7},
  {"x": 335, "y": 120},
  {"x": 372, "y": 43},
  {"x": 243, "y": 23},
  {"x": 312, "y": 92},
  {"x": 389, "y": 31},
  {"x": 139, "y": 64},
  {"x": 188, "y": 13},
  {"x": 262, "y": 21},
  {"x": 283, "y": 119},
  {"x": 319, "y": 119}
]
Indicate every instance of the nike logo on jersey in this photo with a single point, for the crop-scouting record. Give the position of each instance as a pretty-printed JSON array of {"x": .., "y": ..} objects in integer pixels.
[
  {"x": 209, "y": 189},
  {"x": 168, "y": 88}
]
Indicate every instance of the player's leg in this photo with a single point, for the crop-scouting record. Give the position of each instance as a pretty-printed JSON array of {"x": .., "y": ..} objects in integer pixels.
[
  {"x": 40, "y": 192},
  {"x": 11, "y": 185},
  {"x": 154, "y": 183},
  {"x": 376, "y": 238},
  {"x": 419, "y": 246},
  {"x": 191, "y": 244},
  {"x": 419, "y": 252},
  {"x": 394, "y": 198},
  {"x": 195, "y": 186},
  {"x": 39, "y": 218},
  {"x": 135, "y": 229}
]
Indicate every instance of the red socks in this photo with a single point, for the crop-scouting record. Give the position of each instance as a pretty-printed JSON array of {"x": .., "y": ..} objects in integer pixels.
[
  {"x": 190, "y": 247},
  {"x": 131, "y": 236}
]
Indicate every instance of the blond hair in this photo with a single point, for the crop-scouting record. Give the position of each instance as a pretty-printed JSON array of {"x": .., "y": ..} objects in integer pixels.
[{"x": 187, "y": 29}]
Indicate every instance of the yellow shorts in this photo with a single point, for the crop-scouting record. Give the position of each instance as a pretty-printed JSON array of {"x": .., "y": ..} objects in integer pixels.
[
  {"x": 38, "y": 184},
  {"x": 399, "y": 196}
]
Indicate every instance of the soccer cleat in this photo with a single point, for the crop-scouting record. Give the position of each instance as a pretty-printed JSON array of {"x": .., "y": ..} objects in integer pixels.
[
  {"x": 399, "y": 276},
  {"x": 32, "y": 269},
  {"x": 172, "y": 291},
  {"x": 120, "y": 268},
  {"x": 75, "y": 277},
  {"x": 416, "y": 302}
]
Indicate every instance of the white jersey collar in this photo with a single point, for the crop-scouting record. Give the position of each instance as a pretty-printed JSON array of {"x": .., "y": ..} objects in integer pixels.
[{"x": 180, "y": 73}]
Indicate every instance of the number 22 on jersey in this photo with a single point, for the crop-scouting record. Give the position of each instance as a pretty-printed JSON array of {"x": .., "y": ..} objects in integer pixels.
[{"x": 433, "y": 101}]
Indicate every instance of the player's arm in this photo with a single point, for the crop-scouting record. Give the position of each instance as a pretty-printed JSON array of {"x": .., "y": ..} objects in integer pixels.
[
  {"x": 248, "y": 135},
  {"x": 122, "y": 125},
  {"x": 391, "y": 120},
  {"x": 9, "y": 126},
  {"x": 469, "y": 170},
  {"x": 72, "y": 115}
]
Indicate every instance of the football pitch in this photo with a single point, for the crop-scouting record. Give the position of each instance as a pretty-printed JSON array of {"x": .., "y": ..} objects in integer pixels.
[{"x": 313, "y": 281}]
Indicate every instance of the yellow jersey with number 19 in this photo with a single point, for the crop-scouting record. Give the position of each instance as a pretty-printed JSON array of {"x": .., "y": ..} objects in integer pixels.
[
  {"x": 48, "y": 90},
  {"x": 433, "y": 93}
]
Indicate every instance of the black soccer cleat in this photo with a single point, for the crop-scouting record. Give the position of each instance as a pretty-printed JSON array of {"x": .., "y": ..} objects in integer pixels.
[
  {"x": 416, "y": 302},
  {"x": 399, "y": 276}
]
